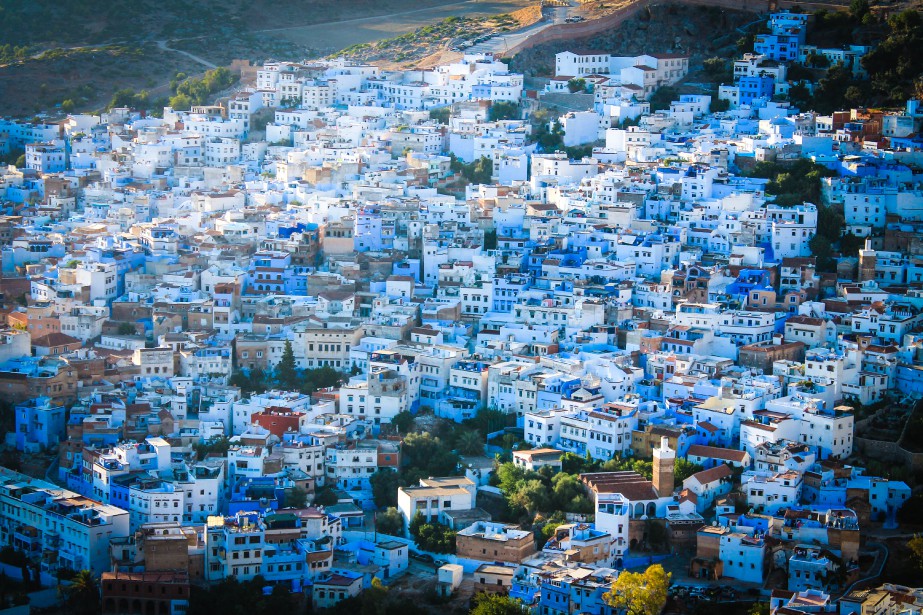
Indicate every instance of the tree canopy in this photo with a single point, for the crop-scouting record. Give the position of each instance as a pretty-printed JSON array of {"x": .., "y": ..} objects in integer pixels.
[
  {"x": 390, "y": 522},
  {"x": 431, "y": 535},
  {"x": 640, "y": 593},
  {"x": 500, "y": 110},
  {"x": 82, "y": 595},
  {"x": 496, "y": 604}
]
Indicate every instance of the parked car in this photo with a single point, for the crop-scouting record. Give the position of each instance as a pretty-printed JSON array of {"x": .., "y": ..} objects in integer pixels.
[{"x": 422, "y": 557}]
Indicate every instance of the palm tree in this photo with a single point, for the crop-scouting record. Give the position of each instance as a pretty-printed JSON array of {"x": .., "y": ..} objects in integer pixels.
[
  {"x": 470, "y": 443},
  {"x": 82, "y": 595}
]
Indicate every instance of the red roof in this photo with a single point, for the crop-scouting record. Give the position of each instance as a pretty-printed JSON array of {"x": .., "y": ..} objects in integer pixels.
[{"x": 716, "y": 452}]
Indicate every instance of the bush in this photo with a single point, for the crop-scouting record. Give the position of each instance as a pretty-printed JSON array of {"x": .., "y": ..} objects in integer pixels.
[
  {"x": 662, "y": 98},
  {"x": 504, "y": 111},
  {"x": 390, "y": 522},
  {"x": 576, "y": 85},
  {"x": 385, "y": 483},
  {"x": 432, "y": 536},
  {"x": 441, "y": 114},
  {"x": 325, "y": 496},
  {"x": 719, "y": 104}
]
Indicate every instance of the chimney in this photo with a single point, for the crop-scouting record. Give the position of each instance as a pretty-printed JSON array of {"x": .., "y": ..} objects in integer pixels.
[{"x": 664, "y": 457}]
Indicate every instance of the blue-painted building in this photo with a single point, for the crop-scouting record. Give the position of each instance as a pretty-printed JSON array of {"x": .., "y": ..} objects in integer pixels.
[
  {"x": 39, "y": 424},
  {"x": 748, "y": 280},
  {"x": 754, "y": 88},
  {"x": 256, "y": 493},
  {"x": 778, "y": 47}
]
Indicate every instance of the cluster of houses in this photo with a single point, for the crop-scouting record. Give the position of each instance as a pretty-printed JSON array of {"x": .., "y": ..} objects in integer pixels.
[{"x": 650, "y": 301}]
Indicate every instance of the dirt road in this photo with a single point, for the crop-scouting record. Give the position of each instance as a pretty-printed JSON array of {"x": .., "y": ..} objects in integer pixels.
[
  {"x": 163, "y": 45},
  {"x": 341, "y": 34}
]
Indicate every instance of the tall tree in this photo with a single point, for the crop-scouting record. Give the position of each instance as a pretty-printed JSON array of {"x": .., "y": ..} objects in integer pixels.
[
  {"x": 385, "y": 483},
  {"x": 390, "y": 521},
  {"x": 470, "y": 443},
  {"x": 287, "y": 370},
  {"x": 296, "y": 497},
  {"x": 640, "y": 593},
  {"x": 82, "y": 595}
]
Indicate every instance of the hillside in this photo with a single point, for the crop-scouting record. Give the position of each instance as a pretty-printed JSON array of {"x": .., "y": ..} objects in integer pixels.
[
  {"x": 82, "y": 51},
  {"x": 702, "y": 33}
]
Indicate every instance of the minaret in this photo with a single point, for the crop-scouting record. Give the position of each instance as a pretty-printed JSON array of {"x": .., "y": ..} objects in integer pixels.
[{"x": 663, "y": 468}]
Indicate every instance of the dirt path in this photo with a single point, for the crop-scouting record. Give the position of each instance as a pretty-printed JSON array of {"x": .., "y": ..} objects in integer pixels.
[
  {"x": 163, "y": 45},
  {"x": 470, "y": 5}
]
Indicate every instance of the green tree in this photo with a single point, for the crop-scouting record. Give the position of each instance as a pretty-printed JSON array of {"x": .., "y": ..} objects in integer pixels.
[
  {"x": 501, "y": 110},
  {"x": 718, "y": 70},
  {"x": 373, "y": 601},
  {"x": 576, "y": 85},
  {"x": 496, "y": 604},
  {"x": 816, "y": 60},
  {"x": 530, "y": 496},
  {"x": 895, "y": 64},
  {"x": 569, "y": 495},
  {"x": 640, "y": 593},
  {"x": 82, "y": 595},
  {"x": 549, "y": 528},
  {"x": 759, "y": 608},
  {"x": 436, "y": 537},
  {"x": 441, "y": 114},
  {"x": 858, "y": 9},
  {"x": 800, "y": 96},
  {"x": 490, "y": 239},
  {"x": 311, "y": 380},
  {"x": 470, "y": 443},
  {"x": 719, "y": 105},
  {"x": 402, "y": 421},
  {"x": 250, "y": 381},
  {"x": 385, "y": 483},
  {"x": 822, "y": 250},
  {"x": 915, "y": 545},
  {"x": 850, "y": 244},
  {"x": 68, "y": 105},
  {"x": 181, "y": 102},
  {"x": 429, "y": 454},
  {"x": 287, "y": 369},
  {"x": 296, "y": 497},
  {"x": 390, "y": 521},
  {"x": 548, "y": 135},
  {"x": 480, "y": 171},
  {"x": 683, "y": 469},
  {"x": 796, "y": 183},
  {"x": 509, "y": 475},
  {"x": 325, "y": 496},
  {"x": 663, "y": 97},
  {"x": 280, "y": 600},
  {"x": 745, "y": 44},
  {"x": 218, "y": 446},
  {"x": 831, "y": 90}
]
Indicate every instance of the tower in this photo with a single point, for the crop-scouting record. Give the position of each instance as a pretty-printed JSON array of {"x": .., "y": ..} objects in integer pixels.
[
  {"x": 664, "y": 457},
  {"x": 868, "y": 258}
]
